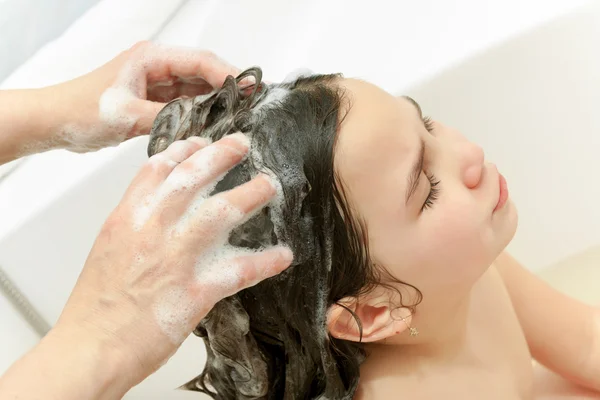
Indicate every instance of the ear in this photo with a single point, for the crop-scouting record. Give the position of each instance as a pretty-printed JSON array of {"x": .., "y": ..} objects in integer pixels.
[{"x": 379, "y": 319}]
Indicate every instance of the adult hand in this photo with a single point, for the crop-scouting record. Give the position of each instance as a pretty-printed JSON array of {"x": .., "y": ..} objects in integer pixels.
[
  {"x": 162, "y": 260},
  {"x": 115, "y": 102},
  {"x": 159, "y": 264},
  {"x": 121, "y": 99}
]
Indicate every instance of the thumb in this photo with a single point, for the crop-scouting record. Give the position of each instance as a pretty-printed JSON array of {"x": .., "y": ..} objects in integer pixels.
[{"x": 145, "y": 112}]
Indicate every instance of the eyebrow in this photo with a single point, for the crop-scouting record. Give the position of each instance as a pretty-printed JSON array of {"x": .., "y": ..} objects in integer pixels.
[
  {"x": 414, "y": 103},
  {"x": 415, "y": 172},
  {"x": 412, "y": 182}
]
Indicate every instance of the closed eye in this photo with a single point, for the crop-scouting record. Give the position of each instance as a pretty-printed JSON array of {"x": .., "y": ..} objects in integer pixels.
[
  {"x": 429, "y": 125},
  {"x": 434, "y": 192}
]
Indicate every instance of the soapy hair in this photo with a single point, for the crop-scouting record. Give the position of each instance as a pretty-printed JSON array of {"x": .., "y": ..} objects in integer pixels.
[{"x": 271, "y": 341}]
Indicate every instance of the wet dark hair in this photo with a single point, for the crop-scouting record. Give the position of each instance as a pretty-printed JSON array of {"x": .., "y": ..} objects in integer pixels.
[{"x": 271, "y": 341}]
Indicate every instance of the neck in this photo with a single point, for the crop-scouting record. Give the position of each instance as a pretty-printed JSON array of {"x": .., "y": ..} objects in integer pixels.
[{"x": 442, "y": 326}]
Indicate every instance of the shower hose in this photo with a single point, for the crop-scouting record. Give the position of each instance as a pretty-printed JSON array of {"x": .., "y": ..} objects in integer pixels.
[{"x": 23, "y": 306}]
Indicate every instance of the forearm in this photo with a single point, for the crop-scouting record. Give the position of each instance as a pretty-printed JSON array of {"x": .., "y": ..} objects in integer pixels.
[
  {"x": 28, "y": 122},
  {"x": 588, "y": 374},
  {"x": 593, "y": 365},
  {"x": 572, "y": 351},
  {"x": 562, "y": 333},
  {"x": 66, "y": 366}
]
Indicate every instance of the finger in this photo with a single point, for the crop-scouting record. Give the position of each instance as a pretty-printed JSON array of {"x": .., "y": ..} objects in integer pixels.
[
  {"x": 207, "y": 220},
  {"x": 162, "y": 121},
  {"x": 244, "y": 271},
  {"x": 209, "y": 164},
  {"x": 159, "y": 166},
  {"x": 166, "y": 93},
  {"x": 251, "y": 196},
  {"x": 164, "y": 63},
  {"x": 179, "y": 151},
  {"x": 146, "y": 112},
  {"x": 163, "y": 124},
  {"x": 184, "y": 192}
]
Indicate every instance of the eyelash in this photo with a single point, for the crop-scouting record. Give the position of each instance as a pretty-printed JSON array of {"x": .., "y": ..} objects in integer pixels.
[
  {"x": 433, "y": 192},
  {"x": 433, "y": 182},
  {"x": 428, "y": 122}
]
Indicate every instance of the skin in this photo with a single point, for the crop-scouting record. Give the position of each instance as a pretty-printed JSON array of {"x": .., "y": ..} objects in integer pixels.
[
  {"x": 147, "y": 281},
  {"x": 149, "y": 75},
  {"x": 483, "y": 316}
]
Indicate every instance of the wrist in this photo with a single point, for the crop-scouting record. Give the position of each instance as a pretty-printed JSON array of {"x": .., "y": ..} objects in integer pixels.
[
  {"x": 29, "y": 122},
  {"x": 53, "y": 109},
  {"x": 97, "y": 368}
]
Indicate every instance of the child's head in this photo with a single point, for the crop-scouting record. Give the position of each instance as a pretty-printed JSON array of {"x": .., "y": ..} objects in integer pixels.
[{"x": 380, "y": 207}]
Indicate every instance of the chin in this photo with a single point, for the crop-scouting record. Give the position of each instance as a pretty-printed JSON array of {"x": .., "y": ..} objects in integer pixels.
[{"x": 507, "y": 227}]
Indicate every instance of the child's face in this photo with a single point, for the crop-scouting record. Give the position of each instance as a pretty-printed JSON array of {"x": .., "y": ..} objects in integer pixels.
[{"x": 435, "y": 240}]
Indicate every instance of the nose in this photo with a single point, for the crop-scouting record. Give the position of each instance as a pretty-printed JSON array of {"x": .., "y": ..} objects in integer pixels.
[{"x": 471, "y": 159}]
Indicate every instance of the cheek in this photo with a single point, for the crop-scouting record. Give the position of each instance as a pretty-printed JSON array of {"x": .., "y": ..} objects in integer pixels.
[{"x": 456, "y": 243}]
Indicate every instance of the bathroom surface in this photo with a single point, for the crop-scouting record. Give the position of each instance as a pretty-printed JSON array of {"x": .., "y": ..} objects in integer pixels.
[{"x": 577, "y": 275}]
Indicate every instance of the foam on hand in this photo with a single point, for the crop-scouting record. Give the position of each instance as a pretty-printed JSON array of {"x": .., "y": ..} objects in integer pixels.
[
  {"x": 174, "y": 311},
  {"x": 178, "y": 180},
  {"x": 113, "y": 106},
  {"x": 220, "y": 269},
  {"x": 115, "y": 120}
]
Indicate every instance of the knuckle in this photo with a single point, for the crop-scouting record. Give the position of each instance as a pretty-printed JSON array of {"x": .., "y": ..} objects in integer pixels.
[
  {"x": 112, "y": 224},
  {"x": 158, "y": 164},
  {"x": 167, "y": 215},
  {"x": 179, "y": 149},
  {"x": 211, "y": 213},
  {"x": 185, "y": 169},
  {"x": 223, "y": 212}
]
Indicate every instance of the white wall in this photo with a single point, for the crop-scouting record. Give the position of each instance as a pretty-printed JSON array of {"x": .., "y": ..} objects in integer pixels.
[
  {"x": 25, "y": 25},
  {"x": 498, "y": 70}
]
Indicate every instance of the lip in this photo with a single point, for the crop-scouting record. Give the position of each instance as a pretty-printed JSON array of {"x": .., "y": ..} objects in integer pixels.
[{"x": 503, "y": 192}]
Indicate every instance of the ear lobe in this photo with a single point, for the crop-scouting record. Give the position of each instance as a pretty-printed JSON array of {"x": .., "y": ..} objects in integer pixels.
[{"x": 377, "y": 320}]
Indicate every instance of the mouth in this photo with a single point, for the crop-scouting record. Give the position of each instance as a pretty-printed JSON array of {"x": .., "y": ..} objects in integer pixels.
[{"x": 503, "y": 192}]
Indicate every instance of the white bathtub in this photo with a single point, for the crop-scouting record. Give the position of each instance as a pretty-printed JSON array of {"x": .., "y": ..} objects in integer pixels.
[{"x": 522, "y": 79}]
